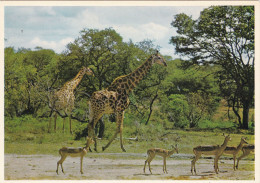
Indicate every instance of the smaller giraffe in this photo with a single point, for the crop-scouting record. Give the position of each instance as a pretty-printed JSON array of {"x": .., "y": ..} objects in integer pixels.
[{"x": 63, "y": 99}]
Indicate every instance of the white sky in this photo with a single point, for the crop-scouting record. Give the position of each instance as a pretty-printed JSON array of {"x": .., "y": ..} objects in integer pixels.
[{"x": 53, "y": 27}]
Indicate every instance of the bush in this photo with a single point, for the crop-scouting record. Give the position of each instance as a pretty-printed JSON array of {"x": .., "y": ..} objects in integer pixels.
[{"x": 209, "y": 124}]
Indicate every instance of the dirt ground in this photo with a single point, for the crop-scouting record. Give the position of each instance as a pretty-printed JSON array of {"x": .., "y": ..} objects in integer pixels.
[{"x": 43, "y": 167}]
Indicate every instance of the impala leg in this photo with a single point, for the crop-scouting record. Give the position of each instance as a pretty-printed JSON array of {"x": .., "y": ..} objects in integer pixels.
[
  {"x": 57, "y": 170},
  {"x": 81, "y": 162},
  {"x": 234, "y": 159},
  {"x": 164, "y": 165},
  {"x": 145, "y": 163},
  {"x": 193, "y": 162},
  {"x": 149, "y": 163},
  {"x": 245, "y": 153},
  {"x": 62, "y": 159},
  {"x": 216, "y": 164}
]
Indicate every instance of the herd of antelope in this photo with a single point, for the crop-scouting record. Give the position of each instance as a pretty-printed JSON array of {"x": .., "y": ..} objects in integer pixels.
[{"x": 213, "y": 150}]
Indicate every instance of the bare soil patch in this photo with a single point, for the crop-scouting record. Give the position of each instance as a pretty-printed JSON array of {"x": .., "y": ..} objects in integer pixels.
[{"x": 43, "y": 167}]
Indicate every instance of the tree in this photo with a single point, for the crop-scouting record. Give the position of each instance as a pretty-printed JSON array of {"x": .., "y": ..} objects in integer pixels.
[
  {"x": 224, "y": 36},
  {"x": 27, "y": 76}
]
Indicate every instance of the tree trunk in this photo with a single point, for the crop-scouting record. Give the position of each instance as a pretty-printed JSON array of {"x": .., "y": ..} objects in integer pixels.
[
  {"x": 101, "y": 128},
  {"x": 236, "y": 110},
  {"x": 151, "y": 109},
  {"x": 245, "y": 115}
]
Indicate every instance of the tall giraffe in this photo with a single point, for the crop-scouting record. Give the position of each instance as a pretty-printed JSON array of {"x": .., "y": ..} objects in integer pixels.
[
  {"x": 115, "y": 98},
  {"x": 63, "y": 99}
]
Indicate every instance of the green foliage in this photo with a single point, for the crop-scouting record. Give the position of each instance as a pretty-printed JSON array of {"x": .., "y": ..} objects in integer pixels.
[
  {"x": 27, "y": 135},
  {"x": 176, "y": 107},
  {"x": 207, "y": 124},
  {"x": 167, "y": 98},
  {"x": 28, "y": 75},
  {"x": 224, "y": 36}
]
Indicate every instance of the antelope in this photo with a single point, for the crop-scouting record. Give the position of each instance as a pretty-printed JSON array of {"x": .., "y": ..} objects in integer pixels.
[
  {"x": 73, "y": 152},
  {"x": 161, "y": 152},
  {"x": 246, "y": 149},
  {"x": 216, "y": 150},
  {"x": 235, "y": 150}
]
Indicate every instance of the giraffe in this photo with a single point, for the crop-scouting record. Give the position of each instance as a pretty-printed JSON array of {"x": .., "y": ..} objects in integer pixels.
[
  {"x": 63, "y": 99},
  {"x": 115, "y": 98}
]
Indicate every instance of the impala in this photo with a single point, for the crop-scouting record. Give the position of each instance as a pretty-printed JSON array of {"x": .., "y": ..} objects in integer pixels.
[
  {"x": 161, "y": 152},
  {"x": 215, "y": 150},
  {"x": 73, "y": 152}
]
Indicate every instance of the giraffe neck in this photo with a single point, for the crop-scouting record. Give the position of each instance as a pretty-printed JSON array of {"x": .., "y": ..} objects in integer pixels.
[
  {"x": 72, "y": 84},
  {"x": 138, "y": 74},
  {"x": 125, "y": 84}
]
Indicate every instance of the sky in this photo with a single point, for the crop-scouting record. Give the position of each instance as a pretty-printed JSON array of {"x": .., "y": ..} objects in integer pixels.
[{"x": 53, "y": 27}]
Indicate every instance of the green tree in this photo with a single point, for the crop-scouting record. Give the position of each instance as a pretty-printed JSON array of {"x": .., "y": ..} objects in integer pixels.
[
  {"x": 109, "y": 57},
  {"x": 27, "y": 76},
  {"x": 175, "y": 109},
  {"x": 224, "y": 36}
]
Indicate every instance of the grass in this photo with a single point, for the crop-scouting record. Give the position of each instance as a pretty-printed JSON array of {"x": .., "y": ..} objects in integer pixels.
[{"x": 28, "y": 135}]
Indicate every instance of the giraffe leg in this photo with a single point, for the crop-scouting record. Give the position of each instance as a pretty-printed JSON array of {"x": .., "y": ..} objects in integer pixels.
[
  {"x": 111, "y": 140},
  {"x": 119, "y": 129},
  {"x": 121, "y": 119},
  {"x": 91, "y": 126},
  {"x": 91, "y": 133}
]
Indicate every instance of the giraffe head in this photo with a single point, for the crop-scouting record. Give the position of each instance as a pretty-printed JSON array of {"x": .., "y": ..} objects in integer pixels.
[
  {"x": 88, "y": 71},
  {"x": 158, "y": 59}
]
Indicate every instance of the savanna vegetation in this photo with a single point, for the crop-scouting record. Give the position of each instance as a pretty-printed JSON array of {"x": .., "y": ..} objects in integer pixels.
[{"x": 209, "y": 93}]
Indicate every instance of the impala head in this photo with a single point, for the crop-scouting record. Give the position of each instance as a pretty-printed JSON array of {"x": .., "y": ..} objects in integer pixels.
[
  {"x": 175, "y": 148},
  {"x": 243, "y": 140},
  {"x": 89, "y": 141},
  {"x": 158, "y": 59},
  {"x": 227, "y": 137},
  {"x": 88, "y": 71}
]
